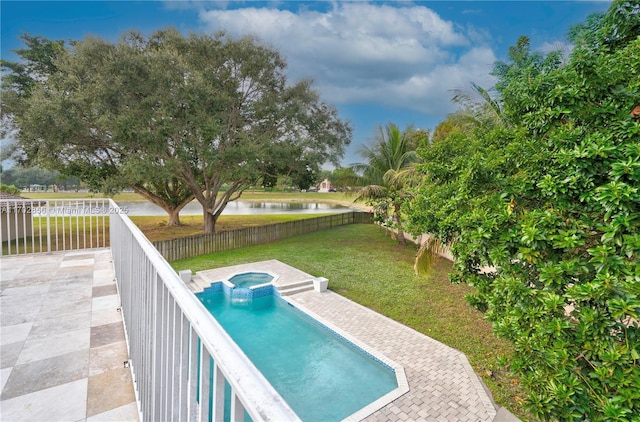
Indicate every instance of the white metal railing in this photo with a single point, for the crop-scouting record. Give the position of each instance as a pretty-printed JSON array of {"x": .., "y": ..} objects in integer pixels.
[
  {"x": 176, "y": 347},
  {"x": 36, "y": 226}
]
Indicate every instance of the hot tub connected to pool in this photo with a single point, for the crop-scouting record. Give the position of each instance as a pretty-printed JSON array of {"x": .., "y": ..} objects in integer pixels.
[
  {"x": 252, "y": 279},
  {"x": 249, "y": 285}
]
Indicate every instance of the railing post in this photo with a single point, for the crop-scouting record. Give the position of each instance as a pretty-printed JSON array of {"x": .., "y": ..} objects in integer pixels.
[{"x": 48, "y": 226}]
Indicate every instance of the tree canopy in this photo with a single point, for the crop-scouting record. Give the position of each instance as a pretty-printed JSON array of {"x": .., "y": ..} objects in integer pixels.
[
  {"x": 552, "y": 201},
  {"x": 178, "y": 118}
]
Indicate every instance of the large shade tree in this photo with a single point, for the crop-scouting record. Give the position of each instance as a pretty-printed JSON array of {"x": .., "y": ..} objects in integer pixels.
[
  {"x": 552, "y": 201},
  {"x": 199, "y": 117},
  {"x": 52, "y": 99}
]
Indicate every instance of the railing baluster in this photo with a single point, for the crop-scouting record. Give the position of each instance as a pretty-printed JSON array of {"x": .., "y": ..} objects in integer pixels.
[
  {"x": 24, "y": 227},
  {"x": 218, "y": 394},
  {"x": 98, "y": 227},
  {"x": 48, "y": 220},
  {"x": 39, "y": 225},
  {"x": 105, "y": 211},
  {"x": 91, "y": 225},
  {"x": 156, "y": 375},
  {"x": 64, "y": 233},
  {"x": 17, "y": 233},
  {"x": 192, "y": 392},
  {"x": 54, "y": 214},
  {"x": 5, "y": 212},
  {"x": 237, "y": 409},
  {"x": 183, "y": 370},
  {"x": 167, "y": 349},
  {"x": 77, "y": 219},
  {"x": 205, "y": 385}
]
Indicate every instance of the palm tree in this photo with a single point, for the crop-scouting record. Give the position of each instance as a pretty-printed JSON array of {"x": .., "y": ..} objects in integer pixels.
[
  {"x": 388, "y": 172},
  {"x": 481, "y": 106}
]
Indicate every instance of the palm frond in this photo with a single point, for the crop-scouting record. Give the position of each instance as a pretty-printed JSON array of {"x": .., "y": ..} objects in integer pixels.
[
  {"x": 370, "y": 193},
  {"x": 427, "y": 254}
]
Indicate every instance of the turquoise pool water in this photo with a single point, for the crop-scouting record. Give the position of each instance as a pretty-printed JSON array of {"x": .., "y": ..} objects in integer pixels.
[
  {"x": 247, "y": 280},
  {"x": 320, "y": 375}
]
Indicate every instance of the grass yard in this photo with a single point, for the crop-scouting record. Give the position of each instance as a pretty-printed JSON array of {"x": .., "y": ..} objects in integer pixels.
[{"x": 369, "y": 268}]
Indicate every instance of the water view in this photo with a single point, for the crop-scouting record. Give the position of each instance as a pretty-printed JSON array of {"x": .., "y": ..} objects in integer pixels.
[{"x": 138, "y": 208}]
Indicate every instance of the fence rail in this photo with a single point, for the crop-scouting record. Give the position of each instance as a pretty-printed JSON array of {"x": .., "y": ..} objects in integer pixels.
[
  {"x": 187, "y": 247},
  {"x": 36, "y": 226},
  {"x": 181, "y": 358}
]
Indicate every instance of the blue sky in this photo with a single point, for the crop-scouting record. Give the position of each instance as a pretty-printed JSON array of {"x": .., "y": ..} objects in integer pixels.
[{"x": 377, "y": 62}]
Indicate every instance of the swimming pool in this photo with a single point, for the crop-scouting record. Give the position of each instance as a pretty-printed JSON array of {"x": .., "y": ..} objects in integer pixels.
[{"x": 322, "y": 376}]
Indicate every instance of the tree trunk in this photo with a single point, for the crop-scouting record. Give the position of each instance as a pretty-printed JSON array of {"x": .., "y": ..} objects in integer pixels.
[
  {"x": 209, "y": 222},
  {"x": 396, "y": 219},
  {"x": 172, "y": 210},
  {"x": 174, "y": 217}
]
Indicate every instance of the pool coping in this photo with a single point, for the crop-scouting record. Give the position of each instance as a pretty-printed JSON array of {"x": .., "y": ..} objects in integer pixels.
[{"x": 401, "y": 378}]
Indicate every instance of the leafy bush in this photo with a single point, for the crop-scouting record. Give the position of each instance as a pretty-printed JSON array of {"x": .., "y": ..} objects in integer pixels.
[
  {"x": 9, "y": 189},
  {"x": 553, "y": 202}
]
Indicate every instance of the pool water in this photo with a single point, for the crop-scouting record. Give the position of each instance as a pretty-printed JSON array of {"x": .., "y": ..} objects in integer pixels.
[
  {"x": 247, "y": 280},
  {"x": 320, "y": 375}
]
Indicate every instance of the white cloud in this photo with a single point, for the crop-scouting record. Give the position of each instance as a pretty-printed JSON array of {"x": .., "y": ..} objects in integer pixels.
[
  {"x": 406, "y": 56},
  {"x": 564, "y": 47}
]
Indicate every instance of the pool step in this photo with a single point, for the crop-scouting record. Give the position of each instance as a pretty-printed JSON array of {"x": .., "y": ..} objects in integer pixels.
[
  {"x": 299, "y": 287},
  {"x": 198, "y": 284}
]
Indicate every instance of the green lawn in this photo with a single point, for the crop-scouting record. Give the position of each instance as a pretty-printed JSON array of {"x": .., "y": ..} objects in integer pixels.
[{"x": 367, "y": 267}]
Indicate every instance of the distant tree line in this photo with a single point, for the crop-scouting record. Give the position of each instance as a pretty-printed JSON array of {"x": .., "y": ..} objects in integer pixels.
[{"x": 30, "y": 178}]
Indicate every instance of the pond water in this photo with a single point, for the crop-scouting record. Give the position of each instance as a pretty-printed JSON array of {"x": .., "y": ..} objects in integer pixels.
[{"x": 236, "y": 208}]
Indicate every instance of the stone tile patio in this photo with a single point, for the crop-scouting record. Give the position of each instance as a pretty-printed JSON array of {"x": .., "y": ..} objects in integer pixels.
[{"x": 62, "y": 340}]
